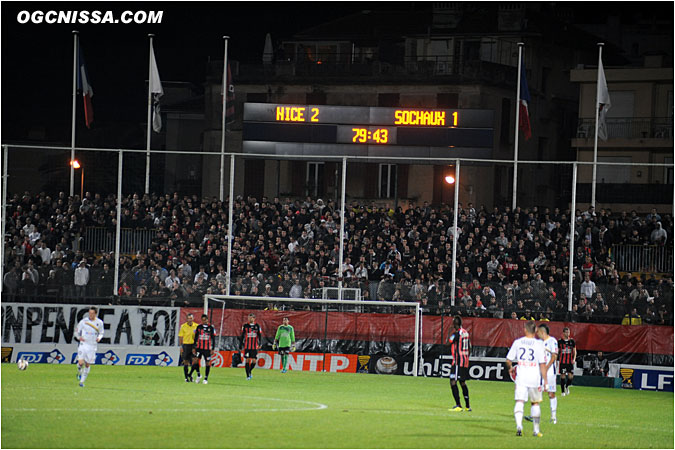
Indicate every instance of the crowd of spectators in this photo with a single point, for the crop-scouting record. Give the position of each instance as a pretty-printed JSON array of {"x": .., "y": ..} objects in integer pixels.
[{"x": 510, "y": 263}]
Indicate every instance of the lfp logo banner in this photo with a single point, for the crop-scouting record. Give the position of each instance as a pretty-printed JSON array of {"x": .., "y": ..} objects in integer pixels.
[{"x": 653, "y": 379}]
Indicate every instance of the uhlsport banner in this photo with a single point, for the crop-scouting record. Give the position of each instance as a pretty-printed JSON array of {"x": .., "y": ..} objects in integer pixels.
[
  {"x": 41, "y": 323},
  {"x": 110, "y": 355}
]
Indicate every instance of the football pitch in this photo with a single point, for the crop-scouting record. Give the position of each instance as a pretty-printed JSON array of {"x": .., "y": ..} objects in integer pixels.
[{"x": 153, "y": 407}]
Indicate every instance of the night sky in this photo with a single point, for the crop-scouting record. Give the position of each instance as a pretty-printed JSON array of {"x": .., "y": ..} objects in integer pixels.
[{"x": 37, "y": 59}]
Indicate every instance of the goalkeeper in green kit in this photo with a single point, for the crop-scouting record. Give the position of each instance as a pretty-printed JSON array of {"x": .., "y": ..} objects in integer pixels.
[{"x": 285, "y": 339}]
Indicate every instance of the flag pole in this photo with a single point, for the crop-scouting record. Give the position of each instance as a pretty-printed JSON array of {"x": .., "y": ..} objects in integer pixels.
[
  {"x": 597, "y": 117},
  {"x": 149, "y": 130},
  {"x": 222, "y": 138},
  {"x": 74, "y": 109},
  {"x": 515, "y": 144}
]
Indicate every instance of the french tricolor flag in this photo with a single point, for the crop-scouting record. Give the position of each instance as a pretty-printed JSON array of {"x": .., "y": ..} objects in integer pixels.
[
  {"x": 524, "y": 119},
  {"x": 84, "y": 87}
]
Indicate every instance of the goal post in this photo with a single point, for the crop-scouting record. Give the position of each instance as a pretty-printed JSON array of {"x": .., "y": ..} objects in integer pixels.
[{"x": 396, "y": 314}]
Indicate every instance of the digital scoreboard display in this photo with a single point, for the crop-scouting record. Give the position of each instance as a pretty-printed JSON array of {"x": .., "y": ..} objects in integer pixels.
[{"x": 333, "y": 129}]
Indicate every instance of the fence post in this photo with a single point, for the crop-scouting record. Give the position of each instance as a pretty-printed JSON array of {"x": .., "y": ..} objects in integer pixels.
[
  {"x": 454, "y": 236},
  {"x": 117, "y": 225},
  {"x": 4, "y": 214},
  {"x": 571, "y": 245}
]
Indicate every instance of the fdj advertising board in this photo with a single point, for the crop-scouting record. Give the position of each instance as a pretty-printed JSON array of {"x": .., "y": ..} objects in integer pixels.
[{"x": 45, "y": 333}]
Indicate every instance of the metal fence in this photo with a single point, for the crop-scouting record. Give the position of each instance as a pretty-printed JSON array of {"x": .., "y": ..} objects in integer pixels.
[
  {"x": 405, "y": 211},
  {"x": 643, "y": 258},
  {"x": 102, "y": 240}
]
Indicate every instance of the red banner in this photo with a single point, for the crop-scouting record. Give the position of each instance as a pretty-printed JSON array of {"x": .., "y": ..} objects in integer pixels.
[
  {"x": 308, "y": 362},
  {"x": 401, "y": 328}
]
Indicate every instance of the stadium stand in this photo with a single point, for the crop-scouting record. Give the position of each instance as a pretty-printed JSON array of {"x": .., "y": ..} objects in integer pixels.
[{"x": 507, "y": 261}]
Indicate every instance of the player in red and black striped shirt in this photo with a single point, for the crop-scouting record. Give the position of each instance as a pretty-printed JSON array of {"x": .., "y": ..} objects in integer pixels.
[
  {"x": 251, "y": 341},
  {"x": 568, "y": 354},
  {"x": 205, "y": 342},
  {"x": 460, "y": 348}
]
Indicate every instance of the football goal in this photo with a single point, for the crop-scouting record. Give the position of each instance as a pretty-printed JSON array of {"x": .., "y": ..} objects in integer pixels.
[{"x": 384, "y": 334}]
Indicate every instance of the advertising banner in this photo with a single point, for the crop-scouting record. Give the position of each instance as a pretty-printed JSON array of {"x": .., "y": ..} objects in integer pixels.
[
  {"x": 308, "y": 362},
  {"x": 55, "y": 324},
  {"x": 393, "y": 334},
  {"x": 117, "y": 355},
  {"x": 649, "y": 378}
]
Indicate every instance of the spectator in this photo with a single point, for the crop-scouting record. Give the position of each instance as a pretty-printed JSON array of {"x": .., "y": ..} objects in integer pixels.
[
  {"x": 81, "y": 279},
  {"x": 632, "y": 318},
  {"x": 587, "y": 287},
  {"x": 659, "y": 235}
]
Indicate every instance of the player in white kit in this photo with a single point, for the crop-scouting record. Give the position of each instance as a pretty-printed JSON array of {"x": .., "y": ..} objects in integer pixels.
[
  {"x": 551, "y": 349},
  {"x": 89, "y": 332},
  {"x": 529, "y": 353}
]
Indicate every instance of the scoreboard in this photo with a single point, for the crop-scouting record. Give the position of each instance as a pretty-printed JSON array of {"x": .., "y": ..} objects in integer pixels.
[{"x": 367, "y": 131}]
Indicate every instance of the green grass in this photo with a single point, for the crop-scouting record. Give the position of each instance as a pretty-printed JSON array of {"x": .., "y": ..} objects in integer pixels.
[{"x": 153, "y": 407}]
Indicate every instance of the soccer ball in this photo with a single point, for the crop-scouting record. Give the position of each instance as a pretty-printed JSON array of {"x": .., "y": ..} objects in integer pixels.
[{"x": 22, "y": 364}]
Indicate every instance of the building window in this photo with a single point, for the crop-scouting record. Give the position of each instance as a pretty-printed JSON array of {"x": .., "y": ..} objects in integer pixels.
[
  {"x": 315, "y": 179},
  {"x": 387, "y": 180}
]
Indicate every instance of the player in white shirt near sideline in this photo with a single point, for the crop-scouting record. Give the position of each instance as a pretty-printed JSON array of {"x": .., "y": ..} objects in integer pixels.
[
  {"x": 89, "y": 332},
  {"x": 529, "y": 353},
  {"x": 551, "y": 349}
]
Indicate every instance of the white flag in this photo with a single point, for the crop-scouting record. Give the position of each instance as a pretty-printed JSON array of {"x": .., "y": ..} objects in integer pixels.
[
  {"x": 155, "y": 86},
  {"x": 603, "y": 104}
]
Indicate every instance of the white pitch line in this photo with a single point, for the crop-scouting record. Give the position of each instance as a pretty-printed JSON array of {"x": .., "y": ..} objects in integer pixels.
[{"x": 315, "y": 407}]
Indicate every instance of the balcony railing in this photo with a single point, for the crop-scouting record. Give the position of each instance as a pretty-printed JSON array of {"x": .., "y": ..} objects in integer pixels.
[
  {"x": 629, "y": 128},
  {"x": 455, "y": 70}
]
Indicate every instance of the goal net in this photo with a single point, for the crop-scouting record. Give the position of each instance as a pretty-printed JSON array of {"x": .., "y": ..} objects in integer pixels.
[{"x": 331, "y": 335}]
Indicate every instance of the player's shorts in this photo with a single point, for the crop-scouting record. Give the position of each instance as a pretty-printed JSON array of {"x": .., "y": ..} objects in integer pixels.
[
  {"x": 250, "y": 353},
  {"x": 87, "y": 353},
  {"x": 459, "y": 373},
  {"x": 550, "y": 381},
  {"x": 284, "y": 350},
  {"x": 524, "y": 393},
  {"x": 206, "y": 353},
  {"x": 567, "y": 368},
  {"x": 188, "y": 352}
]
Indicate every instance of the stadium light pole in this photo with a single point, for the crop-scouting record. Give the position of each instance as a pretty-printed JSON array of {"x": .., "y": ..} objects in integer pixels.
[
  {"x": 75, "y": 164},
  {"x": 117, "y": 225},
  {"x": 74, "y": 110},
  {"x": 570, "y": 278},
  {"x": 454, "y": 234}
]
